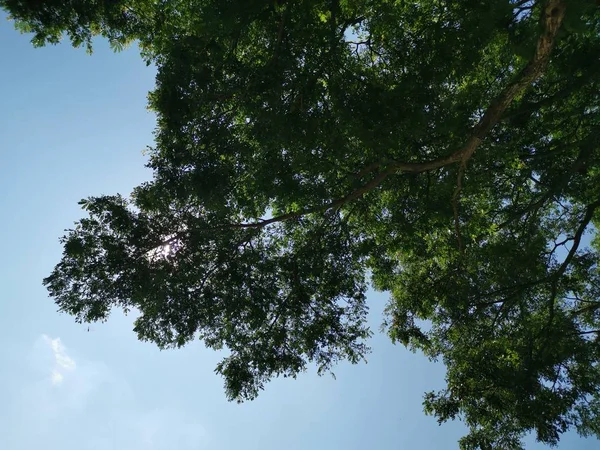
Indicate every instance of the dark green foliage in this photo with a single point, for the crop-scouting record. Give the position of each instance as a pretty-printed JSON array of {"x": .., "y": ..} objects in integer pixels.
[
  {"x": 48, "y": 20},
  {"x": 449, "y": 149}
]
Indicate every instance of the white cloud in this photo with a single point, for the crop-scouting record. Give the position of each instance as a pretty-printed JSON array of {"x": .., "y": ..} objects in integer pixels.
[
  {"x": 57, "y": 377},
  {"x": 69, "y": 399},
  {"x": 63, "y": 363}
]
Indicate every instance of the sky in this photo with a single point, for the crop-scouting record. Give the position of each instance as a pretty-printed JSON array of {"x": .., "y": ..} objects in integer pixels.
[{"x": 71, "y": 126}]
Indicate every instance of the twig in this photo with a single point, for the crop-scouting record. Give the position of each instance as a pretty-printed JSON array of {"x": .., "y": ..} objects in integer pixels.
[{"x": 588, "y": 332}]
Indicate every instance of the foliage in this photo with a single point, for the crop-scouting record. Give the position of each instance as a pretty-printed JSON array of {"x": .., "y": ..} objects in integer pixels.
[{"x": 450, "y": 151}]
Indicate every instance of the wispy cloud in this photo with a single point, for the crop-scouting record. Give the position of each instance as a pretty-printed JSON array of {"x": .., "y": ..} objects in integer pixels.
[
  {"x": 63, "y": 363},
  {"x": 71, "y": 398}
]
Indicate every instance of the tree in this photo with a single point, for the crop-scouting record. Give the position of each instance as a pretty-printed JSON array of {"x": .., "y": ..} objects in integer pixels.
[{"x": 447, "y": 152}]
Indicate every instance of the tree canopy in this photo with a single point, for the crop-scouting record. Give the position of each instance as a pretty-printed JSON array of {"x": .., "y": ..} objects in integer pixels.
[{"x": 446, "y": 152}]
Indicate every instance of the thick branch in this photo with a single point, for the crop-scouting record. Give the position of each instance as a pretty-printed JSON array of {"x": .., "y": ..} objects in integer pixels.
[{"x": 552, "y": 18}]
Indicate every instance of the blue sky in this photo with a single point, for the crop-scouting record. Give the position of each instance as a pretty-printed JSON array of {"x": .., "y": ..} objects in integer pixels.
[{"x": 74, "y": 125}]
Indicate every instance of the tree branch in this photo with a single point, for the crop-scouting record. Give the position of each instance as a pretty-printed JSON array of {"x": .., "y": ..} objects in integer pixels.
[
  {"x": 552, "y": 17},
  {"x": 455, "y": 206},
  {"x": 589, "y": 332},
  {"x": 587, "y": 218},
  {"x": 279, "y": 36},
  {"x": 528, "y": 108},
  {"x": 585, "y": 152},
  {"x": 333, "y": 204},
  {"x": 588, "y": 308}
]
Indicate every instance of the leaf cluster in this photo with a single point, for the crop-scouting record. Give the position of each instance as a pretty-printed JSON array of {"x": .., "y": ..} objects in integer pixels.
[{"x": 446, "y": 152}]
